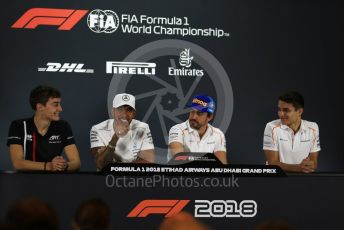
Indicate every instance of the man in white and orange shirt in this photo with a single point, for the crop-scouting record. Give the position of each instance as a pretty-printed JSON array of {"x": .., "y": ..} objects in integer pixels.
[
  {"x": 290, "y": 142},
  {"x": 196, "y": 134}
]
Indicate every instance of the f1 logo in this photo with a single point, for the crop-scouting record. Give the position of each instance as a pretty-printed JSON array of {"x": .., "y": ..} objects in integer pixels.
[
  {"x": 181, "y": 158},
  {"x": 168, "y": 207},
  {"x": 64, "y": 18}
]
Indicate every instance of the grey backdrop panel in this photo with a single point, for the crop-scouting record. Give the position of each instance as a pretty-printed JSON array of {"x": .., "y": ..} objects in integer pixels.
[{"x": 273, "y": 46}]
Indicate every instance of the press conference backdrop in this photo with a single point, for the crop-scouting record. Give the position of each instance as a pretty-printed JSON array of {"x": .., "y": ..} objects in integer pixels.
[{"x": 242, "y": 53}]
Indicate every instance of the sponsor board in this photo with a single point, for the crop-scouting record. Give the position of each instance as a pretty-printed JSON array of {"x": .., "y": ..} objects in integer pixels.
[{"x": 108, "y": 21}]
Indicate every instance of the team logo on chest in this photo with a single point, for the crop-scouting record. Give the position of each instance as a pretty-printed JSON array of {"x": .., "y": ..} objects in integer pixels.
[{"x": 55, "y": 139}]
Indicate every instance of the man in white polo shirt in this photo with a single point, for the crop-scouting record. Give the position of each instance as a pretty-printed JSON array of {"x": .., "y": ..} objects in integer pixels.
[
  {"x": 196, "y": 134},
  {"x": 122, "y": 139},
  {"x": 290, "y": 142}
]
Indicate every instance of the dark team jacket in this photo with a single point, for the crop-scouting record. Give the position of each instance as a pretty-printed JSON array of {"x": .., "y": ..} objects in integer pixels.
[{"x": 37, "y": 147}]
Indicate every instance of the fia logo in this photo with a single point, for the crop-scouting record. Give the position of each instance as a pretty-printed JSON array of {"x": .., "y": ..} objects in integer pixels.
[
  {"x": 103, "y": 21},
  {"x": 185, "y": 58},
  {"x": 191, "y": 158}
]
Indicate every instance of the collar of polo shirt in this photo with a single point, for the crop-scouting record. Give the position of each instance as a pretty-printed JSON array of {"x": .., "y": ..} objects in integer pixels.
[
  {"x": 110, "y": 124},
  {"x": 302, "y": 126},
  {"x": 194, "y": 130}
]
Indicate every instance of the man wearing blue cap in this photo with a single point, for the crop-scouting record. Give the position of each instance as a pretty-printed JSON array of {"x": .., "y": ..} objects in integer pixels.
[{"x": 196, "y": 134}]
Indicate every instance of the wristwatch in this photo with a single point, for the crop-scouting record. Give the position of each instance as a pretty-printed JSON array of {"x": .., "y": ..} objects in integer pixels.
[{"x": 111, "y": 146}]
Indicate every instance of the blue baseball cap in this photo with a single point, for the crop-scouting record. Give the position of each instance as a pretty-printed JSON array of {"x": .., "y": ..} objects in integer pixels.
[{"x": 203, "y": 103}]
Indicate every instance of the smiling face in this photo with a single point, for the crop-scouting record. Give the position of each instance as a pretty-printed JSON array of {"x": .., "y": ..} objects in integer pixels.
[
  {"x": 124, "y": 112},
  {"x": 51, "y": 110},
  {"x": 288, "y": 114}
]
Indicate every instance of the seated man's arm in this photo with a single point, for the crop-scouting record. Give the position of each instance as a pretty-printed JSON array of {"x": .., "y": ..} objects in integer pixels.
[
  {"x": 176, "y": 147},
  {"x": 73, "y": 159},
  {"x": 102, "y": 156},
  {"x": 147, "y": 154},
  {"x": 72, "y": 154},
  {"x": 222, "y": 156},
  {"x": 313, "y": 155},
  {"x": 305, "y": 166},
  {"x": 313, "y": 158},
  {"x": 272, "y": 158},
  {"x": 57, "y": 163},
  {"x": 16, "y": 149},
  {"x": 18, "y": 161},
  {"x": 220, "y": 149},
  {"x": 102, "y": 152},
  {"x": 175, "y": 140}
]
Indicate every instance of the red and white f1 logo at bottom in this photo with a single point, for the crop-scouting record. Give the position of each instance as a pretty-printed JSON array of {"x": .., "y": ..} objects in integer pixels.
[
  {"x": 168, "y": 207},
  {"x": 203, "y": 208}
]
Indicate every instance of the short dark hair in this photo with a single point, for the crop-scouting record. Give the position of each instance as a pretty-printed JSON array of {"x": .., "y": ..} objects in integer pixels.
[
  {"x": 41, "y": 95},
  {"x": 294, "y": 98},
  {"x": 93, "y": 214},
  {"x": 31, "y": 214}
]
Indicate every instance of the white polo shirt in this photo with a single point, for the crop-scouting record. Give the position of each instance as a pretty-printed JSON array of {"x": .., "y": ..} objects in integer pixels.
[
  {"x": 212, "y": 141},
  {"x": 128, "y": 147},
  {"x": 292, "y": 148}
]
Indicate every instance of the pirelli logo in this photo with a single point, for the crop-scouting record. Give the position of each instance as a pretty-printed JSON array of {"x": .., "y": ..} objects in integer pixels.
[
  {"x": 167, "y": 207},
  {"x": 130, "y": 68}
]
